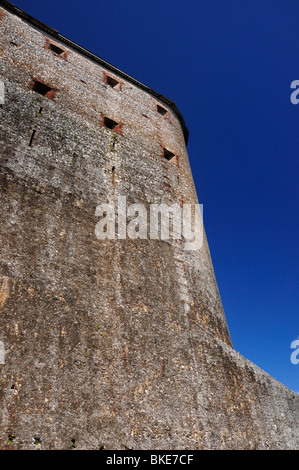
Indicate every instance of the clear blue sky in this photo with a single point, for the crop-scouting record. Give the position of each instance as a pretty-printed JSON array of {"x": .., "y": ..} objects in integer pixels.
[{"x": 228, "y": 65}]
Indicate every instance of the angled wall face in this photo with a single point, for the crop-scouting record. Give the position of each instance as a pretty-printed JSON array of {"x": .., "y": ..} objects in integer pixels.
[{"x": 120, "y": 343}]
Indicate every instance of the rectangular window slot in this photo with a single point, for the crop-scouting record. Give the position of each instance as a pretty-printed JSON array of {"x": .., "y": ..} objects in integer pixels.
[
  {"x": 32, "y": 137},
  {"x": 112, "y": 82},
  {"x": 110, "y": 123},
  {"x": 161, "y": 110},
  {"x": 168, "y": 155},
  {"x": 42, "y": 89},
  {"x": 57, "y": 50}
]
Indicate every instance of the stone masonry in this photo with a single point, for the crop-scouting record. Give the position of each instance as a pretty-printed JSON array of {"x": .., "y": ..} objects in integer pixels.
[{"x": 114, "y": 344}]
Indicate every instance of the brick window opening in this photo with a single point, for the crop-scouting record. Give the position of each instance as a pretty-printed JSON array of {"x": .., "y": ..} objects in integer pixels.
[
  {"x": 171, "y": 157},
  {"x": 161, "y": 110},
  {"x": 57, "y": 50},
  {"x": 42, "y": 89},
  {"x": 168, "y": 155},
  {"x": 110, "y": 123},
  {"x": 112, "y": 82}
]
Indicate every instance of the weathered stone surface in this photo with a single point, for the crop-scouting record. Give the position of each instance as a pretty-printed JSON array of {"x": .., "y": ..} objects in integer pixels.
[
  {"x": 2, "y": 92},
  {"x": 114, "y": 343}
]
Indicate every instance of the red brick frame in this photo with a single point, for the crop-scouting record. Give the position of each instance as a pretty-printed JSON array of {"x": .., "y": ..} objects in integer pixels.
[
  {"x": 118, "y": 129},
  {"x": 165, "y": 115},
  {"x": 174, "y": 160},
  {"x": 157, "y": 103},
  {"x": 51, "y": 94},
  {"x": 120, "y": 83},
  {"x": 65, "y": 53}
]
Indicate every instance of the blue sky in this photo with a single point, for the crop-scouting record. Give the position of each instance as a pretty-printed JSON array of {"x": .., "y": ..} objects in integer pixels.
[{"x": 228, "y": 66}]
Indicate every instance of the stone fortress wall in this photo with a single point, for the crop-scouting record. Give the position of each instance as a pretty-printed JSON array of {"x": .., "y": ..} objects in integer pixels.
[{"x": 115, "y": 344}]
